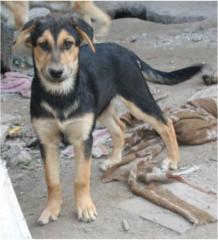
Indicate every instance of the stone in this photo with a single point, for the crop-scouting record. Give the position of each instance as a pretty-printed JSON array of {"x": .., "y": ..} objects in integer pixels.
[
  {"x": 24, "y": 158},
  {"x": 17, "y": 155},
  {"x": 38, "y": 12},
  {"x": 125, "y": 225}
]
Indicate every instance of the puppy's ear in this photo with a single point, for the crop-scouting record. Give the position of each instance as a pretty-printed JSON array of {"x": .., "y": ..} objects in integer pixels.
[
  {"x": 25, "y": 35},
  {"x": 85, "y": 31}
]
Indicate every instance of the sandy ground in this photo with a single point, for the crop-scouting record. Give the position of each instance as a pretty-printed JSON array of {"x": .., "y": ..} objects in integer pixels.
[{"x": 165, "y": 47}]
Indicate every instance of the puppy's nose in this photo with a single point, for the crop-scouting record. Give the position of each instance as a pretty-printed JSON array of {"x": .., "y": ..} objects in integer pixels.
[{"x": 55, "y": 73}]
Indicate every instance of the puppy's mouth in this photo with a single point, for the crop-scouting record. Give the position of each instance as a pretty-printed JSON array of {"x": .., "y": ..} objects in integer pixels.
[
  {"x": 55, "y": 80},
  {"x": 52, "y": 79}
]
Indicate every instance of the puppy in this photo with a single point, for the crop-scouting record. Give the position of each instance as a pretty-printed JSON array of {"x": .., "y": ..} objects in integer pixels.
[{"x": 73, "y": 87}]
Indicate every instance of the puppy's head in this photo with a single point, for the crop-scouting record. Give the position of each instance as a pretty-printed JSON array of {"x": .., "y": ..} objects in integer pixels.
[{"x": 55, "y": 42}]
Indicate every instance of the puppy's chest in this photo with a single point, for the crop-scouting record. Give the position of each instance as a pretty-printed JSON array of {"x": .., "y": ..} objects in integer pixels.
[
  {"x": 60, "y": 112},
  {"x": 74, "y": 130}
]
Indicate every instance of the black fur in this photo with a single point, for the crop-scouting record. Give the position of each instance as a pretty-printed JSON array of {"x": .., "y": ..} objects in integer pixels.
[
  {"x": 42, "y": 151},
  {"x": 169, "y": 78},
  {"x": 113, "y": 70}
]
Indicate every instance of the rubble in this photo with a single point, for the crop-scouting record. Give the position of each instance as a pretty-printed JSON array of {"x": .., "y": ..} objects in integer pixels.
[
  {"x": 158, "y": 44},
  {"x": 18, "y": 155},
  {"x": 125, "y": 225}
]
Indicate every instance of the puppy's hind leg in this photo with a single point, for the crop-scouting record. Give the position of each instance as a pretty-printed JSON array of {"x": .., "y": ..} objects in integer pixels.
[
  {"x": 148, "y": 111},
  {"x": 116, "y": 128}
]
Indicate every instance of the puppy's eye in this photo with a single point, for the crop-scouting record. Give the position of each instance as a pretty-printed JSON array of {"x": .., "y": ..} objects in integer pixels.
[
  {"x": 44, "y": 45},
  {"x": 67, "y": 44}
]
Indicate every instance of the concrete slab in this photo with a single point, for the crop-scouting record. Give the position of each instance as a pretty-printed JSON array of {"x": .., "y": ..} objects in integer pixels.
[
  {"x": 12, "y": 221},
  {"x": 5, "y": 118},
  {"x": 168, "y": 219},
  {"x": 156, "y": 214},
  {"x": 165, "y": 12},
  {"x": 3, "y": 132}
]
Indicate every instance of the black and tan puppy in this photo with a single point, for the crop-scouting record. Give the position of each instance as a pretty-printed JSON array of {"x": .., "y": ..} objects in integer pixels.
[{"x": 73, "y": 87}]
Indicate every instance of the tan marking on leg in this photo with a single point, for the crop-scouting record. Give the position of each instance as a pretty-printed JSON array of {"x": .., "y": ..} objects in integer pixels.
[
  {"x": 48, "y": 134},
  {"x": 116, "y": 128},
  {"x": 47, "y": 130},
  {"x": 54, "y": 199},
  {"x": 86, "y": 210},
  {"x": 77, "y": 131},
  {"x": 166, "y": 132}
]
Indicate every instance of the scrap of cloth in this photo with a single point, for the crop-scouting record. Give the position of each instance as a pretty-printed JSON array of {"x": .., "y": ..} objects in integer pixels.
[
  {"x": 195, "y": 123},
  {"x": 14, "y": 82}
]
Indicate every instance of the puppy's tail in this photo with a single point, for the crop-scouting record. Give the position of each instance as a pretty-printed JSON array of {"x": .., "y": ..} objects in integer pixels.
[{"x": 168, "y": 78}]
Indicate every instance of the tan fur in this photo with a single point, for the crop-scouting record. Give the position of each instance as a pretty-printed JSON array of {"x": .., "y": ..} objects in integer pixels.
[
  {"x": 116, "y": 128},
  {"x": 23, "y": 37},
  {"x": 61, "y": 88},
  {"x": 19, "y": 10},
  {"x": 89, "y": 10},
  {"x": 54, "y": 199},
  {"x": 67, "y": 111},
  {"x": 47, "y": 130},
  {"x": 47, "y": 36},
  {"x": 77, "y": 131},
  {"x": 49, "y": 136},
  {"x": 85, "y": 208},
  {"x": 64, "y": 35},
  {"x": 166, "y": 132},
  {"x": 70, "y": 56},
  {"x": 86, "y": 38},
  {"x": 42, "y": 58},
  {"x": 86, "y": 8},
  {"x": 72, "y": 108},
  {"x": 66, "y": 59},
  {"x": 48, "y": 108}
]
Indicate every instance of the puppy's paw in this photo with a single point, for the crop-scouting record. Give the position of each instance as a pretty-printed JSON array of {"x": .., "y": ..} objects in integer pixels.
[
  {"x": 105, "y": 165},
  {"x": 108, "y": 164},
  {"x": 168, "y": 164},
  {"x": 50, "y": 213},
  {"x": 173, "y": 166},
  {"x": 86, "y": 210},
  {"x": 165, "y": 165}
]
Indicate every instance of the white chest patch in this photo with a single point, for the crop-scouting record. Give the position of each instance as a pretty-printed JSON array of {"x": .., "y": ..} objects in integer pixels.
[
  {"x": 76, "y": 129},
  {"x": 66, "y": 112}
]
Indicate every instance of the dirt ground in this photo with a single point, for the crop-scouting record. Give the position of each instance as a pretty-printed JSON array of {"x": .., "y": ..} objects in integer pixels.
[{"x": 165, "y": 47}]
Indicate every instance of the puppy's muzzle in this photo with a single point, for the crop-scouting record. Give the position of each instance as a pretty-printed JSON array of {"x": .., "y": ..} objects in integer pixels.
[{"x": 56, "y": 74}]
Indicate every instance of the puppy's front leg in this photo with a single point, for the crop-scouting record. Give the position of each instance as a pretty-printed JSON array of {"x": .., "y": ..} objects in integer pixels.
[
  {"x": 50, "y": 155},
  {"x": 85, "y": 208}
]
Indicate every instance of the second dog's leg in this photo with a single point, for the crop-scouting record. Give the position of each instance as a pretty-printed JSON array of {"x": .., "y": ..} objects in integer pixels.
[
  {"x": 116, "y": 128},
  {"x": 20, "y": 11},
  {"x": 89, "y": 10}
]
